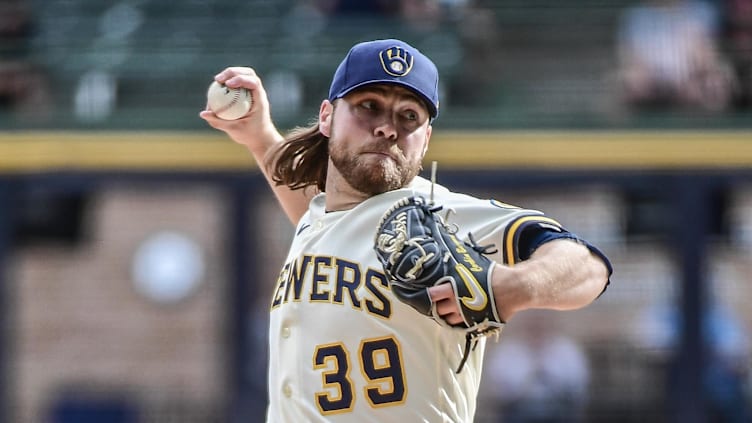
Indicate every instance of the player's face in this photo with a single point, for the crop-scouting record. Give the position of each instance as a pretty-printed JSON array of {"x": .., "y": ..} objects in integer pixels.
[{"x": 378, "y": 137}]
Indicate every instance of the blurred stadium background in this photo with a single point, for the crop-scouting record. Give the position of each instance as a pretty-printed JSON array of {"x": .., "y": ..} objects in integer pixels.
[{"x": 138, "y": 247}]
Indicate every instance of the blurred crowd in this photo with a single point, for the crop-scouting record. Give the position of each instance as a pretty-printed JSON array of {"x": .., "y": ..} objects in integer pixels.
[
  {"x": 687, "y": 54},
  {"x": 472, "y": 23},
  {"x": 24, "y": 88},
  {"x": 681, "y": 55},
  {"x": 541, "y": 375}
]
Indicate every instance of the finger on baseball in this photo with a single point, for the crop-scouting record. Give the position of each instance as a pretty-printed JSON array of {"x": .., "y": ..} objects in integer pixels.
[
  {"x": 236, "y": 78},
  {"x": 210, "y": 118},
  {"x": 228, "y": 73},
  {"x": 207, "y": 115},
  {"x": 215, "y": 121}
]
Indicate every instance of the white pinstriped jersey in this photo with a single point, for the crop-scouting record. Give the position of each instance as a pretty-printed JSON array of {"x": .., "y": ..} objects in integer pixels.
[{"x": 344, "y": 349}]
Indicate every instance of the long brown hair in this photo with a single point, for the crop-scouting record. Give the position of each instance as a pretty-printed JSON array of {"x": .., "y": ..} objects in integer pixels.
[{"x": 301, "y": 161}]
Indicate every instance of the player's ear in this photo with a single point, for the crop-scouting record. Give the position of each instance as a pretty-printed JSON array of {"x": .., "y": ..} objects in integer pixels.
[{"x": 325, "y": 117}]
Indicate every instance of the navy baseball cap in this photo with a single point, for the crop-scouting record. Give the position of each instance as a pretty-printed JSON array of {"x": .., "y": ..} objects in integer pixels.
[{"x": 388, "y": 61}]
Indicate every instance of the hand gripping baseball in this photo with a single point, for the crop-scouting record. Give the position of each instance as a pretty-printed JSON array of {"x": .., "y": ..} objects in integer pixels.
[{"x": 418, "y": 251}]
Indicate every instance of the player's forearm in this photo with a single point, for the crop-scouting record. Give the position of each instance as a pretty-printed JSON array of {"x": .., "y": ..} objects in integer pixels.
[
  {"x": 560, "y": 275},
  {"x": 294, "y": 203}
]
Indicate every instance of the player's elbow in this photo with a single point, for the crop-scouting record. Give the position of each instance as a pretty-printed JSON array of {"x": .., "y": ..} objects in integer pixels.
[
  {"x": 590, "y": 276},
  {"x": 597, "y": 278},
  {"x": 582, "y": 276}
]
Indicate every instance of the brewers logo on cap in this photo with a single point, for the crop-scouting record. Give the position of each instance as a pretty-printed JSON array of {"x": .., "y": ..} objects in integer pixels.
[{"x": 396, "y": 61}]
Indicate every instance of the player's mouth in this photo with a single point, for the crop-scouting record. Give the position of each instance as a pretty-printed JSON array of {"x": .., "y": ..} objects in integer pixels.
[{"x": 382, "y": 154}]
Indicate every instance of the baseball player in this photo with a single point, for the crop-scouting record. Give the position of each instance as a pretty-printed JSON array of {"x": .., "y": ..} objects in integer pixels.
[{"x": 391, "y": 284}]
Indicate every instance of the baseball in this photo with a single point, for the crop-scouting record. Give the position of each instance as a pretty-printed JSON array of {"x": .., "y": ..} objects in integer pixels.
[{"x": 229, "y": 103}]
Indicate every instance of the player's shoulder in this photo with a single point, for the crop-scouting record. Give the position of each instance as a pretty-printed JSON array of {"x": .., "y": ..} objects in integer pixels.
[
  {"x": 459, "y": 200},
  {"x": 425, "y": 188}
]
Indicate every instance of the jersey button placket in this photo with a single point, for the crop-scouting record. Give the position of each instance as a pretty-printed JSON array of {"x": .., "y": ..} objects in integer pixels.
[
  {"x": 287, "y": 342},
  {"x": 287, "y": 390}
]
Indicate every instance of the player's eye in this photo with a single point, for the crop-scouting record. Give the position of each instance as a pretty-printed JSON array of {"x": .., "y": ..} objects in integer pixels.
[
  {"x": 410, "y": 115},
  {"x": 369, "y": 105}
]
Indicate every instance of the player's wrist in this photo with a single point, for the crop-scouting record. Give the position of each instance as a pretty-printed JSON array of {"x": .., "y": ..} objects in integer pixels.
[
  {"x": 258, "y": 141},
  {"x": 514, "y": 289}
]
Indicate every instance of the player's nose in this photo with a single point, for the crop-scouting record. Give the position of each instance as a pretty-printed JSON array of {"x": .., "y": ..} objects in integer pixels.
[{"x": 387, "y": 128}]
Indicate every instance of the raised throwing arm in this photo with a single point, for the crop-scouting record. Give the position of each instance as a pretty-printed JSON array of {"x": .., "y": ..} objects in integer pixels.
[{"x": 257, "y": 132}]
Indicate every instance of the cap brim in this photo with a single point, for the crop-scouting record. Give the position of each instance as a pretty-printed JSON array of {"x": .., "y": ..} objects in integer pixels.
[{"x": 432, "y": 110}]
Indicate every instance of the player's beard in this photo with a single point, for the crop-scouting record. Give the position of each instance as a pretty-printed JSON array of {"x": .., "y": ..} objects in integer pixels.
[{"x": 373, "y": 174}]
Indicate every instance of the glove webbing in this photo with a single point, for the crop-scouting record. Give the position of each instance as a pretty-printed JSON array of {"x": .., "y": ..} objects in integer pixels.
[{"x": 471, "y": 339}]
